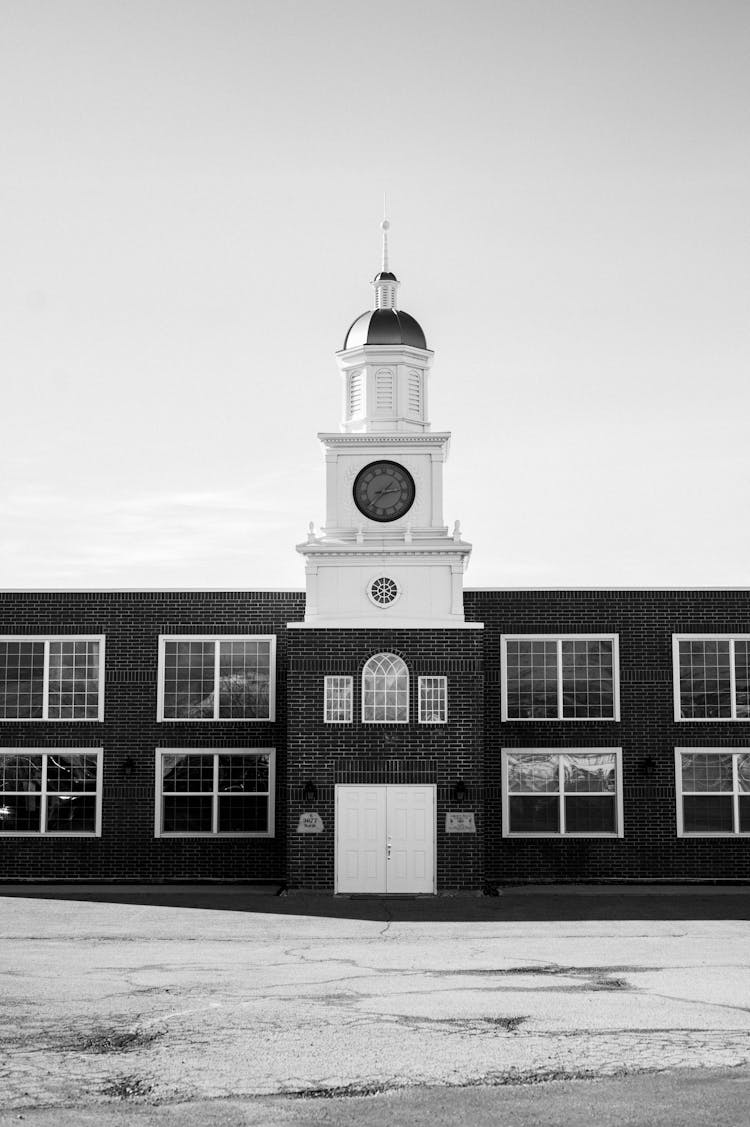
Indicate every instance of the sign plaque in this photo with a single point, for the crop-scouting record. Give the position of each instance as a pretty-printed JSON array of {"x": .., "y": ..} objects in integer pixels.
[
  {"x": 310, "y": 823},
  {"x": 460, "y": 822}
]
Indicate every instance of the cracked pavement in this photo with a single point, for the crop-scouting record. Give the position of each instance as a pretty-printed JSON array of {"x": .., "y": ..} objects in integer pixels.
[{"x": 143, "y": 1002}]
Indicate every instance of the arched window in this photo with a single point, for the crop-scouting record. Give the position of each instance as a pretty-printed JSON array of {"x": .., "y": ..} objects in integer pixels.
[{"x": 385, "y": 690}]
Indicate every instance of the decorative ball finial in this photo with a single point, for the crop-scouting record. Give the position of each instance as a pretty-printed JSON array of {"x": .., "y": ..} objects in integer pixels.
[{"x": 385, "y": 225}]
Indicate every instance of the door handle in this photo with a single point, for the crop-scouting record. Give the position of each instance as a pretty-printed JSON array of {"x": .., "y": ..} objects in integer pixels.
[{"x": 388, "y": 850}]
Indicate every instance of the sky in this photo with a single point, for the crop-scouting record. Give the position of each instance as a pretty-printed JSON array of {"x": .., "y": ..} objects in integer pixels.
[{"x": 190, "y": 199}]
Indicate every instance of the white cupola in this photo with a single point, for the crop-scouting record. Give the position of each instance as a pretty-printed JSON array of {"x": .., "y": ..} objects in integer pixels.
[
  {"x": 385, "y": 363},
  {"x": 385, "y": 557}
]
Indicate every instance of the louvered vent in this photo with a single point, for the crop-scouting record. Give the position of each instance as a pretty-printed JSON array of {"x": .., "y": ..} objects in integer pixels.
[
  {"x": 384, "y": 390},
  {"x": 355, "y": 394},
  {"x": 415, "y": 393}
]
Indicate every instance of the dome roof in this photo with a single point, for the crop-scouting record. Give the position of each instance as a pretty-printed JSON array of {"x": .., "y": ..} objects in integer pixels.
[{"x": 385, "y": 326}]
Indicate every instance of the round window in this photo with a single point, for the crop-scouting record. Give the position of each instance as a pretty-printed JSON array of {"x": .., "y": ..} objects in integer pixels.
[{"x": 383, "y": 591}]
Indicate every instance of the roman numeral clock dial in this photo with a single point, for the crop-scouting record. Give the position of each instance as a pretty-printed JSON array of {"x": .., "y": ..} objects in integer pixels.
[{"x": 384, "y": 491}]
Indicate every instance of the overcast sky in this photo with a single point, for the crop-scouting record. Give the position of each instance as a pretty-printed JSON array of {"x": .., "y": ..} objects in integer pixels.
[{"x": 190, "y": 193}]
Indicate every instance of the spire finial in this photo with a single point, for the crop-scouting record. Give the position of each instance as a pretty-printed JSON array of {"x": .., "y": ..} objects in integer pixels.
[
  {"x": 384, "y": 228},
  {"x": 385, "y": 283}
]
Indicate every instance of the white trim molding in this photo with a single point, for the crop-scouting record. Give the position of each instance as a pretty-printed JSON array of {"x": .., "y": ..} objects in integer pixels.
[
  {"x": 216, "y": 686},
  {"x": 437, "y": 685},
  {"x": 730, "y": 689},
  {"x": 214, "y": 793},
  {"x": 382, "y": 577},
  {"x": 394, "y": 701},
  {"x": 730, "y": 795},
  {"x": 47, "y": 790},
  {"x": 47, "y": 641},
  {"x": 554, "y": 788},
  {"x": 338, "y": 699},
  {"x": 559, "y": 640}
]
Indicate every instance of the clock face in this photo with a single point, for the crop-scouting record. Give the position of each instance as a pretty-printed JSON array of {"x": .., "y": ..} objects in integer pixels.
[{"x": 384, "y": 491}]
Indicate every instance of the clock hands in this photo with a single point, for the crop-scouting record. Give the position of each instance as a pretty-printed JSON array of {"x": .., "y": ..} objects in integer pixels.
[{"x": 384, "y": 492}]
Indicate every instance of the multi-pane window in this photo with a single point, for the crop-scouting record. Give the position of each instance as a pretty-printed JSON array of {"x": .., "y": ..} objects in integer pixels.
[
  {"x": 51, "y": 678},
  {"x": 433, "y": 700},
  {"x": 50, "y": 792},
  {"x": 215, "y": 793},
  {"x": 712, "y": 677},
  {"x": 385, "y": 690},
  {"x": 210, "y": 678},
  {"x": 338, "y": 700},
  {"x": 562, "y": 677},
  {"x": 574, "y": 792},
  {"x": 713, "y": 791}
]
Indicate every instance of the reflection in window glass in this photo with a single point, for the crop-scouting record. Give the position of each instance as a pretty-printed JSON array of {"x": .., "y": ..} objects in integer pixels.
[
  {"x": 52, "y": 679},
  {"x": 216, "y": 792},
  {"x": 338, "y": 700},
  {"x": 531, "y": 673},
  {"x": 21, "y": 680},
  {"x": 713, "y": 678},
  {"x": 534, "y": 772},
  {"x": 433, "y": 700},
  {"x": 189, "y": 680},
  {"x": 559, "y": 678},
  {"x": 213, "y": 679},
  {"x": 588, "y": 685},
  {"x": 73, "y": 680},
  {"x": 49, "y": 792},
  {"x": 562, "y": 792},
  {"x": 244, "y": 679},
  {"x": 714, "y": 788},
  {"x": 705, "y": 679},
  {"x": 385, "y": 690},
  {"x": 701, "y": 772},
  {"x": 742, "y": 678}
]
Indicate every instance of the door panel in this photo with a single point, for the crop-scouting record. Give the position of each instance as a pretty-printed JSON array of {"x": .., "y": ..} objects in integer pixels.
[
  {"x": 361, "y": 832},
  {"x": 385, "y": 839},
  {"x": 411, "y": 833}
]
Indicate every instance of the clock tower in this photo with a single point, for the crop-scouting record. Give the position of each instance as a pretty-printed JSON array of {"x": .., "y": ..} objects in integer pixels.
[{"x": 385, "y": 557}]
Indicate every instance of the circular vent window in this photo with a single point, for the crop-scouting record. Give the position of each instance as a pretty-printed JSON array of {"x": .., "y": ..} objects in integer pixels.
[{"x": 383, "y": 591}]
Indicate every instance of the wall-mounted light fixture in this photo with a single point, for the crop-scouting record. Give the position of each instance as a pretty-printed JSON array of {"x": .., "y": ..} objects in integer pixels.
[
  {"x": 459, "y": 790},
  {"x": 648, "y": 766},
  {"x": 128, "y": 767},
  {"x": 310, "y": 792}
]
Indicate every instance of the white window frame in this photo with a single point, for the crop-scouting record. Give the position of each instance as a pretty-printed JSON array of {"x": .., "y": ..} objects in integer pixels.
[
  {"x": 444, "y": 690},
  {"x": 731, "y": 638},
  {"x": 383, "y": 575},
  {"x": 43, "y": 794},
  {"x": 215, "y": 752},
  {"x": 217, "y": 639},
  {"x": 45, "y": 718},
  {"x": 506, "y": 752},
  {"x": 348, "y": 684},
  {"x": 385, "y": 653},
  {"x": 560, "y": 638},
  {"x": 735, "y": 792}
]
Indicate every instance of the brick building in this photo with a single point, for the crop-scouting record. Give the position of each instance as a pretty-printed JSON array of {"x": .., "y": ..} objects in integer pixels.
[{"x": 385, "y": 731}]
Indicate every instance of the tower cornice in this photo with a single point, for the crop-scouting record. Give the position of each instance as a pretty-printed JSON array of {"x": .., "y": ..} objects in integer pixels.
[
  {"x": 385, "y": 438},
  {"x": 384, "y": 354}
]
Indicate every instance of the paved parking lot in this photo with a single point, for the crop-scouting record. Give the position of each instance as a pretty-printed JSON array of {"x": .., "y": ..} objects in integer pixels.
[{"x": 135, "y": 997}]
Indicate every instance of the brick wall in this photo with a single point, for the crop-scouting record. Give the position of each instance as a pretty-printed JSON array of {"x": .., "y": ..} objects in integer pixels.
[
  {"x": 468, "y": 747},
  {"x": 645, "y": 622},
  {"x": 384, "y": 753},
  {"x": 132, "y": 622}
]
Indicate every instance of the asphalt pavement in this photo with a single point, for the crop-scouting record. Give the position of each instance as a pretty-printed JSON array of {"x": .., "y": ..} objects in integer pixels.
[{"x": 234, "y": 1004}]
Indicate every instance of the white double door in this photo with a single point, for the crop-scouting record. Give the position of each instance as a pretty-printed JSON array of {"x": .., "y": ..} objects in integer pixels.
[{"x": 385, "y": 839}]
